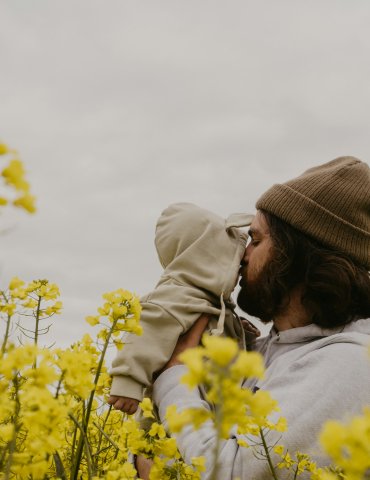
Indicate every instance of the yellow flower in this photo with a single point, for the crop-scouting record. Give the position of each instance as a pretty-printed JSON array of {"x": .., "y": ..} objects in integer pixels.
[
  {"x": 194, "y": 359},
  {"x": 121, "y": 472},
  {"x": 76, "y": 365},
  {"x": 55, "y": 309},
  {"x": 279, "y": 449},
  {"x": 157, "y": 430},
  {"x": 199, "y": 463},
  {"x": 349, "y": 444},
  {"x": 132, "y": 326},
  {"x": 248, "y": 364},
  {"x": 242, "y": 443},
  {"x": 147, "y": 407},
  {"x": 41, "y": 376},
  {"x": 191, "y": 416},
  {"x": 92, "y": 320},
  {"x": 104, "y": 310},
  {"x": 8, "y": 308},
  {"x": 119, "y": 311},
  {"x": 27, "y": 202},
  {"x": 119, "y": 344},
  {"x": 14, "y": 175},
  {"x": 6, "y": 432},
  {"x": 43, "y": 288},
  {"x": 15, "y": 283},
  {"x": 219, "y": 349},
  {"x": 17, "y": 359},
  {"x": 3, "y": 201},
  {"x": 30, "y": 303},
  {"x": 3, "y": 149},
  {"x": 287, "y": 461}
]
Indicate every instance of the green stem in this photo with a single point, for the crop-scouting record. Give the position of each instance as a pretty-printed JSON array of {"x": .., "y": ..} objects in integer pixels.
[
  {"x": 78, "y": 455},
  {"x": 6, "y": 336},
  {"x": 37, "y": 329},
  {"x": 59, "y": 384},
  {"x": 218, "y": 426},
  {"x": 268, "y": 456},
  {"x": 106, "y": 436},
  {"x": 59, "y": 467},
  {"x": 295, "y": 473},
  {"x": 86, "y": 445},
  {"x": 13, "y": 442},
  {"x": 37, "y": 321},
  {"x": 102, "y": 433}
]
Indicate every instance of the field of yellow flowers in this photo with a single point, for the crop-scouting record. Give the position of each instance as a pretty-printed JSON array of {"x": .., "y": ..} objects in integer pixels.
[{"x": 54, "y": 419}]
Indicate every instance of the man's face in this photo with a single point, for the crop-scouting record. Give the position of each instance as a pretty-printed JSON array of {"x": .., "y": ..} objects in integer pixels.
[{"x": 255, "y": 296}]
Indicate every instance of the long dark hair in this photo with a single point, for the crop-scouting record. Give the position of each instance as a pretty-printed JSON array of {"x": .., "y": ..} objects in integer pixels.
[{"x": 336, "y": 290}]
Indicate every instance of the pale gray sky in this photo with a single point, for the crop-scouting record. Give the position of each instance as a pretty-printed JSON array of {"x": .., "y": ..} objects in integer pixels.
[{"x": 121, "y": 107}]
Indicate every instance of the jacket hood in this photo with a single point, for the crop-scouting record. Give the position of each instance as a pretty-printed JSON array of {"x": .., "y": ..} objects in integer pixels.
[
  {"x": 311, "y": 337},
  {"x": 196, "y": 247},
  {"x": 313, "y": 332}
]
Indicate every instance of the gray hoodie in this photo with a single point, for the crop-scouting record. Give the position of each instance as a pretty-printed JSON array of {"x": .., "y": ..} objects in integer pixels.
[
  {"x": 201, "y": 254},
  {"x": 315, "y": 375}
]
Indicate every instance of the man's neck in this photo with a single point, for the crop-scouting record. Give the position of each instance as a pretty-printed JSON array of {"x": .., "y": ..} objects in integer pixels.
[{"x": 294, "y": 315}]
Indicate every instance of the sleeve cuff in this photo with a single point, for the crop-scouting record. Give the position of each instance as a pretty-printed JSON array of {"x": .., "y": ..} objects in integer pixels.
[{"x": 126, "y": 387}]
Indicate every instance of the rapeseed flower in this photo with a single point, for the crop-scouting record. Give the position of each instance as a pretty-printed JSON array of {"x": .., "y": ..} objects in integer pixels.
[
  {"x": 14, "y": 177},
  {"x": 348, "y": 445}
]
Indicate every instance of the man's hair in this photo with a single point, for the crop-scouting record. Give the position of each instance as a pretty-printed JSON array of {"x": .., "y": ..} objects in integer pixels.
[{"x": 336, "y": 290}]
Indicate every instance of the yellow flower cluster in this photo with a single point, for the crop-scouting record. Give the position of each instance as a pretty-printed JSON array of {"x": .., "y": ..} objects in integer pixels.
[
  {"x": 31, "y": 415},
  {"x": 349, "y": 445},
  {"x": 37, "y": 299},
  {"x": 54, "y": 419},
  {"x": 14, "y": 176},
  {"x": 155, "y": 444},
  {"x": 299, "y": 464},
  {"x": 219, "y": 367},
  {"x": 49, "y": 398},
  {"x": 119, "y": 313},
  {"x": 55, "y": 423}
]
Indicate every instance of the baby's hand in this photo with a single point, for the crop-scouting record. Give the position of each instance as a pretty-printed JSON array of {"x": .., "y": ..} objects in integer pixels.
[
  {"x": 125, "y": 404},
  {"x": 249, "y": 328}
]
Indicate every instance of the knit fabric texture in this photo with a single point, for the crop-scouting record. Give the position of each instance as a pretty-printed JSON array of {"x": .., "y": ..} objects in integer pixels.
[{"x": 330, "y": 203}]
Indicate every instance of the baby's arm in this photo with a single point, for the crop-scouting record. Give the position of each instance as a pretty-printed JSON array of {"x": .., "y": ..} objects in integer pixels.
[
  {"x": 125, "y": 404},
  {"x": 133, "y": 367}
]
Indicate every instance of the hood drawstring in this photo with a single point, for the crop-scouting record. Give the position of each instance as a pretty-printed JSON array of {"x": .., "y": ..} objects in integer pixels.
[{"x": 219, "y": 330}]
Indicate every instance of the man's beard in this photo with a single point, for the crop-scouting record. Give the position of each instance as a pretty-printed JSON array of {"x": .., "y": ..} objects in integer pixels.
[{"x": 262, "y": 297}]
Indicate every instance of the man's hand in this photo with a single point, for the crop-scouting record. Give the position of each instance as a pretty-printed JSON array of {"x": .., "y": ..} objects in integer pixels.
[{"x": 125, "y": 404}]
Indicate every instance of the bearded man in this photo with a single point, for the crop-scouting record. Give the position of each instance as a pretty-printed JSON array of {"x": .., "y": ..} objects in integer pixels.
[{"x": 306, "y": 270}]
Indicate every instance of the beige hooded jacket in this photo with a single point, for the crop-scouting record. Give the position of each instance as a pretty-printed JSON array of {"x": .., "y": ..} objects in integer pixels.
[{"x": 201, "y": 254}]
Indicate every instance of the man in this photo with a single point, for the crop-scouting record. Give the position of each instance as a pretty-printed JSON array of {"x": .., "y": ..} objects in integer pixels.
[{"x": 306, "y": 270}]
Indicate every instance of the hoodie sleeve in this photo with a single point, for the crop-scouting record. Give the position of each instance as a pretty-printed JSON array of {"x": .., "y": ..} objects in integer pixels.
[
  {"x": 168, "y": 390},
  {"x": 167, "y": 312},
  {"x": 141, "y": 356},
  {"x": 311, "y": 390}
]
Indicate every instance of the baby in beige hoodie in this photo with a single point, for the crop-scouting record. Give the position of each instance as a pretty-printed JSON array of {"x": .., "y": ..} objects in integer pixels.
[{"x": 201, "y": 254}]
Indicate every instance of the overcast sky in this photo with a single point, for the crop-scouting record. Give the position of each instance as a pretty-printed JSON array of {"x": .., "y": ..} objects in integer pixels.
[{"x": 119, "y": 108}]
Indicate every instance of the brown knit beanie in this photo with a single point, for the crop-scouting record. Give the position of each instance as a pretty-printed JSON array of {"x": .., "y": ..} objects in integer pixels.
[{"x": 330, "y": 203}]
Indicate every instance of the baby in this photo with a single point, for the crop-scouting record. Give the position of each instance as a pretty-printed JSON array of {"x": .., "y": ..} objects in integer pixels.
[{"x": 201, "y": 254}]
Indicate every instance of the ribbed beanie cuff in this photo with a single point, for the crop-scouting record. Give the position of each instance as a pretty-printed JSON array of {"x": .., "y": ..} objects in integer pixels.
[{"x": 330, "y": 203}]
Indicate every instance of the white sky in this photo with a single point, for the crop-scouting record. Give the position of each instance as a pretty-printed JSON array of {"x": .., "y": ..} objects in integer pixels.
[{"x": 119, "y": 108}]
